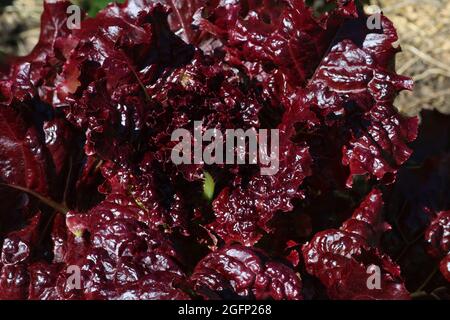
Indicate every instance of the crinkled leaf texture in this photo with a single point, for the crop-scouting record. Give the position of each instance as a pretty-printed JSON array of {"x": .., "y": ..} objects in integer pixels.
[
  {"x": 137, "y": 85},
  {"x": 242, "y": 213},
  {"x": 121, "y": 258},
  {"x": 347, "y": 262},
  {"x": 34, "y": 75},
  {"x": 22, "y": 156},
  {"x": 236, "y": 271}
]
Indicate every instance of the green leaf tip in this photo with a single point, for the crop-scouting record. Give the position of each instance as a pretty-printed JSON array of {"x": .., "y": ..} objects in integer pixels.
[{"x": 208, "y": 186}]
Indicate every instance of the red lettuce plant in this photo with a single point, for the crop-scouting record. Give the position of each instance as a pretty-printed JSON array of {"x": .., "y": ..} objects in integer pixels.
[{"x": 86, "y": 173}]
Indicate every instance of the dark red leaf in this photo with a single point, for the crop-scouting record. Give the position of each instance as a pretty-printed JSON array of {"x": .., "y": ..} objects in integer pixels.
[
  {"x": 22, "y": 157},
  {"x": 345, "y": 259},
  {"x": 236, "y": 271}
]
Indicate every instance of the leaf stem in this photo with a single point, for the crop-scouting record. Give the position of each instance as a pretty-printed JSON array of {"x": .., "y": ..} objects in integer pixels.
[
  {"x": 67, "y": 185},
  {"x": 136, "y": 75},
  {"x": 49, "y": 202}
]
